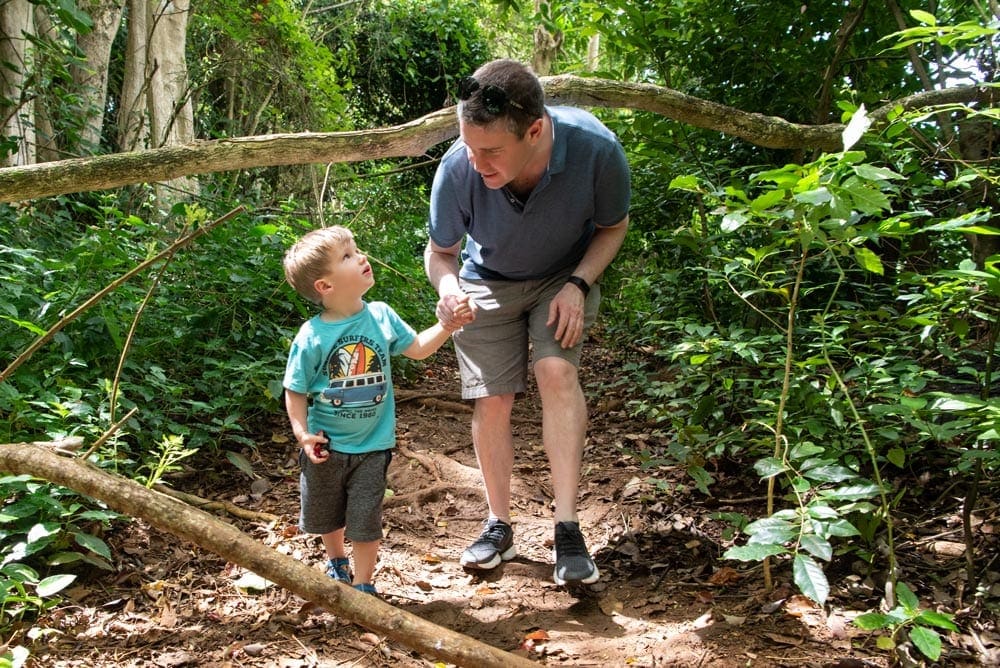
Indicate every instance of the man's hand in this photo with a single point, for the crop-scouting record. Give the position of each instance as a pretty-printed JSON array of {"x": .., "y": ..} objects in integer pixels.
[
  {"x": 455, "y": 311},
  {"x": 566, "y": 313}
]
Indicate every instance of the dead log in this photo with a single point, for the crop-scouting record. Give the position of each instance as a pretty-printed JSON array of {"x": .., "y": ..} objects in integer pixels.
[{"x": 206, "y": 531}]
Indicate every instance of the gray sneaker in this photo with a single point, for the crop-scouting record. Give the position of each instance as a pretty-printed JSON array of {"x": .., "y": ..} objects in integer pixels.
[
  {"x": 573, "y": 562},
  {"x": 495, "y": 544}
]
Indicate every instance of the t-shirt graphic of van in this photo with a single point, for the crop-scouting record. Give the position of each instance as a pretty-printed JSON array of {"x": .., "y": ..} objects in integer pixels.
[{"x": 356, "y": 377}]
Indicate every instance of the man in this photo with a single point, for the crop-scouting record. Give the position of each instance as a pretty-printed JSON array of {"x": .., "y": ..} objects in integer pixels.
[{"x": 540, "y": 196}]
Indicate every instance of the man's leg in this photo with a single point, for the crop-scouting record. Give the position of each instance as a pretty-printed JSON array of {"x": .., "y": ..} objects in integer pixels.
[
  {"x": 564, "y": 428},
  {"x": 494, "y": 444}
]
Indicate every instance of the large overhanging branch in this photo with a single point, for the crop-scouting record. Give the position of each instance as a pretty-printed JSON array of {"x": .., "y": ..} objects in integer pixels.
[{"x": 414, "y": 138}]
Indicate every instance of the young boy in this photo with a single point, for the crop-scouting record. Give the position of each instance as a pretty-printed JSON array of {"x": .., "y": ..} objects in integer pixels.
[{"x": 338, "y": 394}]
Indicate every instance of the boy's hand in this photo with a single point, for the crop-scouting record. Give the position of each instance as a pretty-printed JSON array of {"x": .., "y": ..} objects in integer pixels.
[
  {"x": 455, "y": 311},
  {"x": 315, "y": 447}
]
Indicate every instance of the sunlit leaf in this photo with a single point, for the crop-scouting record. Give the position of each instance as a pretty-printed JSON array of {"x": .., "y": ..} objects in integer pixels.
[{"x": 810, "y": 578}]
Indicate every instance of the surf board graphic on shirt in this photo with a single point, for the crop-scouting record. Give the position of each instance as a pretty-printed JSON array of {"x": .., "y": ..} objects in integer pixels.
[{"x": 356, "y": 377}]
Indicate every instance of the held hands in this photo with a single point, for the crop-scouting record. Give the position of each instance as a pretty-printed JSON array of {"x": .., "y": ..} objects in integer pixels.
[
  {"x": 566, "y": 313},
  {"x": 314, "y": 446},
  {"x": 455, "y": 311}
]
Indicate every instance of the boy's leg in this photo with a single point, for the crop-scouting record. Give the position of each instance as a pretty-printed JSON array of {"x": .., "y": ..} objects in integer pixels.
[
  {"x": 365, "y": 558},
  {"x": 334, "y": 544},
  {"x": 366, "y": 490}
]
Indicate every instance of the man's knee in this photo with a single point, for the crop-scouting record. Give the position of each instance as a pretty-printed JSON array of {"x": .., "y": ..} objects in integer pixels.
[
  {"x": 556, "y": 374},
  {"x": 490, "y": 409}
]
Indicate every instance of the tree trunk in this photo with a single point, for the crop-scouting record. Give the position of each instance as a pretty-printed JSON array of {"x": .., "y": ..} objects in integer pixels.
[
  {"x": 547, "y": 45},
  {"x": 132, "y": 104},
  {"x": 207, "y": 531},
  {"x": 46, "y": 142},
  {"x": 171, "y": 114},
  {"x": 91, "y": 78},
  {"x": 171, "y": 119},
  {"x": 16, "y": 106}
]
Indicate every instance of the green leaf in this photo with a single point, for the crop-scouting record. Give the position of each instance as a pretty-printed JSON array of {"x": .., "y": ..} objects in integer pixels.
[
  {"x": 871, "y": 621},
  {"x": 830, "y": 473},
  {"x": 921, "y": 16},
  {"x": 771, "y": 530},
  {"x": 897, "y": 457},
  {"x": 817, "y": 546},
  {"x": 934, "y": 618},
  {"x": 927, "y": 641},
  {"x": 868, "y": 260},
  {"x": 769, "y": 467},
  {"x": 907, "y": 598},
  {"x": 54, "y": 584},
  {"x": 754, "y": 552},
  {"x": 810, "y": 578},
  {"x": 687, "y": 182},
  {"x": 851, "y": 492},
  {"x": 241, "y": 462},
  {"x": 841, "y": 528},
  {"x": 92, "y": 543},
  {"x": 815, "y": 197},
  {"x": 733, "y": 221}
]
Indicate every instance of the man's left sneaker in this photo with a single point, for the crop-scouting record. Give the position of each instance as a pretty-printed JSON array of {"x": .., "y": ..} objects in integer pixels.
[{"x": 573, "y": 561}]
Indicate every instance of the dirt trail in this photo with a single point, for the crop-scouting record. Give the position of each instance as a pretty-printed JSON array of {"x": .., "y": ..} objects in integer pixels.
[{"x": 664, "y": 598}]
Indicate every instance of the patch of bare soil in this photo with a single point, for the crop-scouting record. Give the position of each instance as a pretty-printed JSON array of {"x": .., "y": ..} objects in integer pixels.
[{"x": 665, "y": 597}]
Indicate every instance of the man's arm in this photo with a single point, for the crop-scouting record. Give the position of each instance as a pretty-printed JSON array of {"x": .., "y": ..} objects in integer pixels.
[
  {"x": 604, "y": 246},
  {"x": 566, "y": 310},
  {"x": 441, "y": 266}
]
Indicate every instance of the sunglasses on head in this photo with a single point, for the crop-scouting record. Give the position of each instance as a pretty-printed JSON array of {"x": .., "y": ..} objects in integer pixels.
[{"x": 494, "y": 98}]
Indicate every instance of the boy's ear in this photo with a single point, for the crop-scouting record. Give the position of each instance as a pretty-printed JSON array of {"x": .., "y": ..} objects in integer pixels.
[{"x": 322, "y": 286}]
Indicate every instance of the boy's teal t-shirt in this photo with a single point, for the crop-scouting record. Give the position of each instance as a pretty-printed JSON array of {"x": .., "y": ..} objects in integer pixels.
[{"x": 344, "y": 367}]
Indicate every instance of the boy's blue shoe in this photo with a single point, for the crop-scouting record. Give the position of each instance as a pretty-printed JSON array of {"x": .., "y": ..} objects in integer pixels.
[
  {"x": 366, "y": 588},
  {"x": 339, "y": 569}
]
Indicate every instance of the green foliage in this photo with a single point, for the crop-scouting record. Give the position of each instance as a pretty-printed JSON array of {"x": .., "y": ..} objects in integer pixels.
[
  {"x": 44, "y": 528},
  {"x": 262, "y": 68},
  {"x": 406, "y": 57},
  {"x": 920, "y": 624}
]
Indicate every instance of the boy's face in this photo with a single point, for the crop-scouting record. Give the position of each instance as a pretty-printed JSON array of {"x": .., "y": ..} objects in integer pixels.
[{"x": 349, "y": 273}]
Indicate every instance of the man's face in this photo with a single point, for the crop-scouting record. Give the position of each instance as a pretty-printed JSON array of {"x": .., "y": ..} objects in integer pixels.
[{"x": 496, "y": 154}]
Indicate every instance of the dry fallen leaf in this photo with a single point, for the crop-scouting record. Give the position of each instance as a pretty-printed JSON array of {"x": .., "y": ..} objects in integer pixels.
[
  {"x": 705, "y": 597},
  {"x": 724, "y": 576},
  {"x": 799, "y": 605},
  {"x": 784, "y": 640},
  {"x": 610, "y": 605}
]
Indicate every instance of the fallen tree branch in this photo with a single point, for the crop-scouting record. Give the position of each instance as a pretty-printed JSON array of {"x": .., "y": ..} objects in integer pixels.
[
  {"x": 412, "y": 139},
  {"x": 208, "y": 505},
  {"x": 206, "y": 531}
]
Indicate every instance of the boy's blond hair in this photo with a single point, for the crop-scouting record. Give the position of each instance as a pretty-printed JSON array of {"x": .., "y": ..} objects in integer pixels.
[{"x": 309, "y": 258}]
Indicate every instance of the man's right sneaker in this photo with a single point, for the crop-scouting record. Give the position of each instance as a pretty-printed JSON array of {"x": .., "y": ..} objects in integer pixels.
[
  {"x": 495, "y": 544},
  {"x": 573, "y": 561}
]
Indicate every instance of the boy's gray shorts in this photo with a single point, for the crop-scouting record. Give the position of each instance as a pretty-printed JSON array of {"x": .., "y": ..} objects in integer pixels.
[
  {"x": 493, "y": 349},
  {"x": 344, "y": 491}
]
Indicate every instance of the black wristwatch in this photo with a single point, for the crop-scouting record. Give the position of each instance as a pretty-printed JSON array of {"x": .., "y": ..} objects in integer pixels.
[{"x": 580, "y": 283}]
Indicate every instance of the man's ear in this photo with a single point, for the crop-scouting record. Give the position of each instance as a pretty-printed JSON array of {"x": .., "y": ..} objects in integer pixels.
[{"x": 535, "y": 130}]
